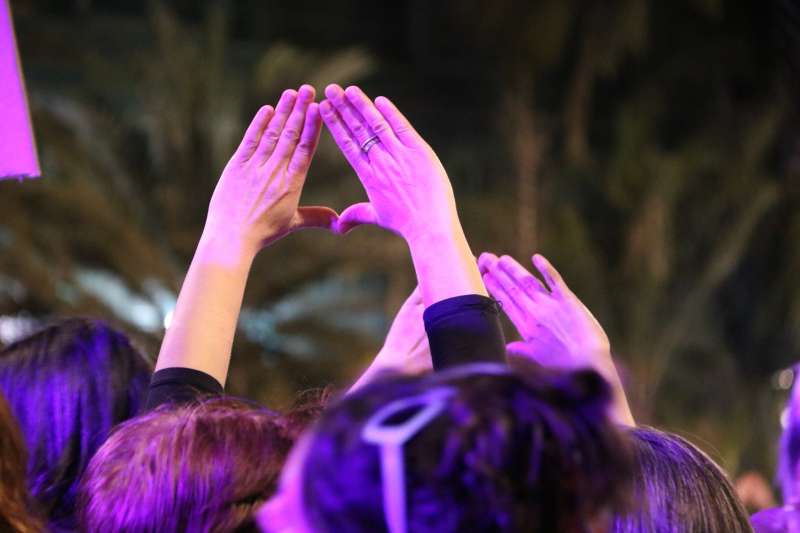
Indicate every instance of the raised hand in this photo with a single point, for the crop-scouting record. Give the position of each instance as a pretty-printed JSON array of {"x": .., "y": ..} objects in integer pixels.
[
  {"x": 408, "y": 189},
  {"x": 406, "y": 346},
  {"x": 256, "y": 199},
  {"x": 255, "y": 203},
  {"x": 557, "y": 330}
]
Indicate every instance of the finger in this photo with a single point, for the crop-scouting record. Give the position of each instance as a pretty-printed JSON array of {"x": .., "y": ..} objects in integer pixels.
[
  {"x": 314, "y": 217},
  {"x": 343, "y": 138},
  {"x": 486, "y": 262},
  {"x": 400, "y": 125},
  {"x": 376, "y": 122},
  {"x": 550, "y": 274},
  {"x": 355, "y": 122},
  {"x": 290, "y": 135},
  {"x": 517, "y": 273},
  {"x": 309, "y": 139},
  {"x": 519, "y": 349},
  {"x": 356, "y": 215},
  {"x": 510, "y": 307},
  {"x": 252, "y": 135},
  {"x": 273, "y": 132}
]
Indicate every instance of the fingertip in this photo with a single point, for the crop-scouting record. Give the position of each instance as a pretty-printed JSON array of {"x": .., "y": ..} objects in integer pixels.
[
  {"x": 306, "y": 92},
  {"x": 289, "y": 93},
  {"x": 352, "y": 90},
  {"x": 382, "y": 101},
  {"x": 333, "y": 90},
  {"x": 485, "y": 260},
  {"x": 325, "y": 107}
]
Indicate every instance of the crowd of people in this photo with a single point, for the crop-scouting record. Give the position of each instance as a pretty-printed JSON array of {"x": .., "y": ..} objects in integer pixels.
[{"x": 448, "y": 430}]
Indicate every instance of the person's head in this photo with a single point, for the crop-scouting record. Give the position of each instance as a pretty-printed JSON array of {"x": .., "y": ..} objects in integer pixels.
[
  {"x": 680, "y": 489},
  {"x": 15, "y": 504},
  {"x": 476, "y": 448},
  {"x": 68, "y": 385},
  {"x": 200, "y": 467},
  {"x": 789, "y": 454}
]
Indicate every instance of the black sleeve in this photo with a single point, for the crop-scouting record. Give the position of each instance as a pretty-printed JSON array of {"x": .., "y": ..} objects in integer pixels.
[
  {"x": 180, "y": 385},
  {"x": 464, "y": 329}
]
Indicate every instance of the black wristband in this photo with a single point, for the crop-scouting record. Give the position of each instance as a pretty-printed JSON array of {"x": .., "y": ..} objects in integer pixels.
[{"x": 464, "y": 329}]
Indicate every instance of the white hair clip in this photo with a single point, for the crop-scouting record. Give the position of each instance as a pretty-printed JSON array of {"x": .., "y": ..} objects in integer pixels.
[{"x": 391, "y": 437}]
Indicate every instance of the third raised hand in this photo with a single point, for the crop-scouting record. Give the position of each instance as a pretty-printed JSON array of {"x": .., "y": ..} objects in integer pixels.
[
  {"x": 256, "y": 199},
  {"x": 558, "y": 331}
]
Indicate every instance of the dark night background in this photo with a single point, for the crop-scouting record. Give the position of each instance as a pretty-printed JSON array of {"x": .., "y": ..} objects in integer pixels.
[{"x": 650, "y": 149}]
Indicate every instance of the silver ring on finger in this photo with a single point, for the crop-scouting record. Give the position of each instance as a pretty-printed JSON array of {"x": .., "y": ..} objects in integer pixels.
[{"x": 369, "y": 143}]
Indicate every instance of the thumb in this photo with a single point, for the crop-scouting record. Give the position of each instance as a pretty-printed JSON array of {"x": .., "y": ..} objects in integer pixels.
[
  {"x": 519, "y": 349},
  {"x": 314, "y": 217},
  {"x": 355, "y": 215}
]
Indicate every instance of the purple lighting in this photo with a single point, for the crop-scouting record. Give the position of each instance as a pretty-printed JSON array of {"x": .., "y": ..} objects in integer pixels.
[{"x": 17, "y": 148}]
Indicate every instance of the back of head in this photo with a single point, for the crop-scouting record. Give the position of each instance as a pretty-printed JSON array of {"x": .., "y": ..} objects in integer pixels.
[
  {"x": 201, "y": 467},
  {"x": 15, "y": 504},
  {"x": 680, "y": 489},
  {"x": 789, "y": 455},
  {"x": 508, "y": 451},
  {"x": 68, "y": 385}
]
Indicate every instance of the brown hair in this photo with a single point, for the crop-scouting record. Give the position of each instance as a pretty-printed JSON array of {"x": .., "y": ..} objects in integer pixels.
[
  {"x": 679, "y": 488},
  {"x": 15, "y": 514},
  {"x": 201, "y": 467}
]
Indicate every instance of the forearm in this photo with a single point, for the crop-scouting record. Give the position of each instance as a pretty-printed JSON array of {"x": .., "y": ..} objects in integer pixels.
[
  {"x": 445, "y": 266},
  {"x": 620, "y": 409},
  {"x": 204, "y": 321},
  {"x": 377, "y": 367}
]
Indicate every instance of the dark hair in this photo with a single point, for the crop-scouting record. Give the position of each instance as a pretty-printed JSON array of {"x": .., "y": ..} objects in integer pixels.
[
  {"x": 680, "y": 489},
  {"x": 789, "y": 455},
  {"x": 201, "y": 467},
  {"x": 510, "y": 451},
  {"x": 15, "y": 503},
  {"x": 68, "y": 385}
]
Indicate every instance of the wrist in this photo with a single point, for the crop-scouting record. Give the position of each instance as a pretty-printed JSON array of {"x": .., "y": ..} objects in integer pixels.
[
  {"x": 431, "y": 239},
  {"x": 228, "y": 250}
]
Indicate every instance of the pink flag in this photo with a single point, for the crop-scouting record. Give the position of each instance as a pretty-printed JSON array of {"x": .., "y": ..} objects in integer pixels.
[{"x": 17, "y": 148}]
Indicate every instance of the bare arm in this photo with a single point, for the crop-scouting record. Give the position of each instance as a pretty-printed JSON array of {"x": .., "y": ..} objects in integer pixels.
[
  {"x": 406, "y": 346},
  {"x": 254, "y": 204}
]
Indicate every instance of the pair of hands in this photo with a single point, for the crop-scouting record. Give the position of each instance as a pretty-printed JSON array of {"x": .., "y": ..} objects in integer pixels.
[{"x": 256, "y": 200}]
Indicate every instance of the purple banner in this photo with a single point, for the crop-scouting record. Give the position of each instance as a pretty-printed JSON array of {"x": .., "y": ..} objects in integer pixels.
[{"x": 18, "y": 157}]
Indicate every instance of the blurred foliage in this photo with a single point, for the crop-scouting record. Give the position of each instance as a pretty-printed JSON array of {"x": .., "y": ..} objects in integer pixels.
[{"x": 651, "y": 149}]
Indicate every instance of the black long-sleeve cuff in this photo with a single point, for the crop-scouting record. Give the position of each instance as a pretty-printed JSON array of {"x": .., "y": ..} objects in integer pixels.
[
  {"x": 464, "y": 329},
  {"x": 180, "y": 385}
]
